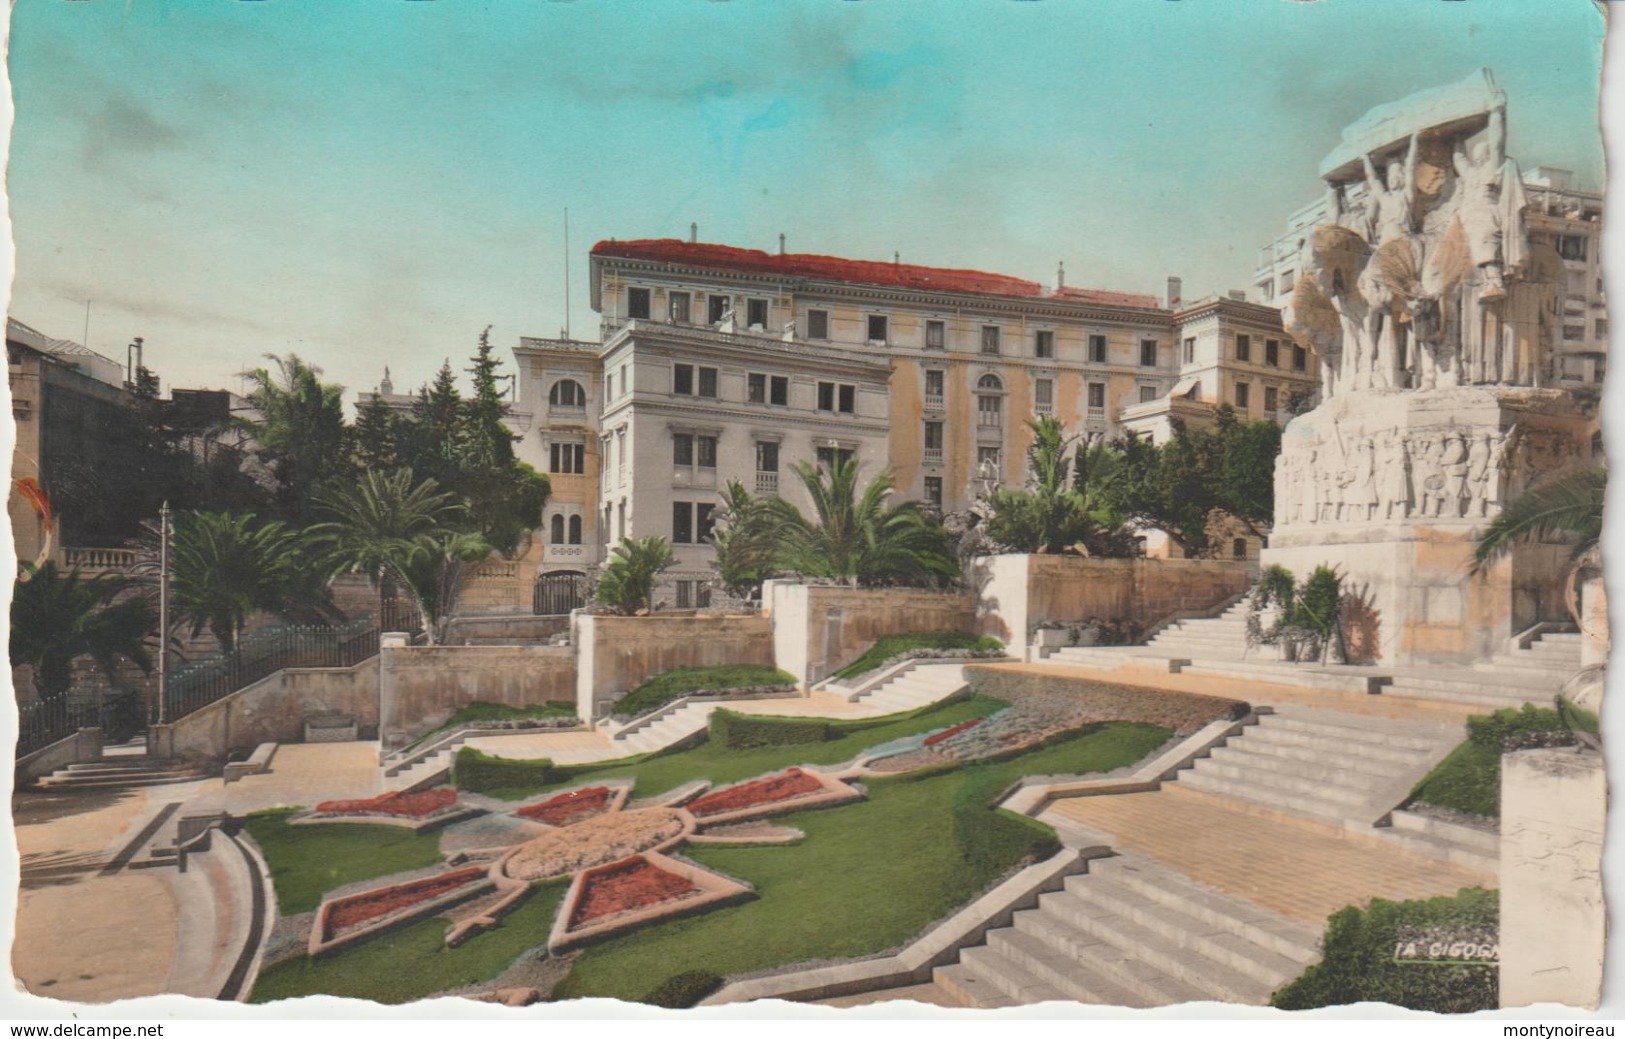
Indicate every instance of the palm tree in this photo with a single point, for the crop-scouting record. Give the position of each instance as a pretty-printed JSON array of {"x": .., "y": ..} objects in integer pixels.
[
  {"x": 228, "y": 566},
  {"x": 1569, "y": 504},
  {"x": 300, "y": 430},
  {"x": 746, "y": 539},
  {"x": 1055, "y": 513},
  {"x": 57, "y": 618},
  {"x": 859, "y": 537},
  {"x": 393, "y": 526},
  {"x": 627, "y": 584}
]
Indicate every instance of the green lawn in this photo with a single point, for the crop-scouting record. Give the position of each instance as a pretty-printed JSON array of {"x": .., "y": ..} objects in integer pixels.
[
  {"x": 496, "y": 712},
  {"x": 868, "y": 877},
  {"x": 895, "y": 645},
  {"x": 669, "y": 685},
  {"x": 414, "y": 962},
  {"x": 658, "y": 773},
  {"x": 308, "y": 861},
  {"x": 1469, "y": 778}
]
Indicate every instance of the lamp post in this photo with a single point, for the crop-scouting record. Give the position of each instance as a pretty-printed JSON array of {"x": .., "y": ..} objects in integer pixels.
[{"x": 163, "y": 612}]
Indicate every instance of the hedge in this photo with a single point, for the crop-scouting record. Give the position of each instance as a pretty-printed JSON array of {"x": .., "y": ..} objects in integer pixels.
[
  {"x": 743, "y": 731},
  {"x": 684, "y": 990},
  {"x": 987, "y": 837},
  {"x": 1359, "y": 963},
  {"x": 480, "y": 773},
  {"x": 682, "y": 681},
  {"x": 1469, "y": 778},
  {"x": 889, "y": 647}
]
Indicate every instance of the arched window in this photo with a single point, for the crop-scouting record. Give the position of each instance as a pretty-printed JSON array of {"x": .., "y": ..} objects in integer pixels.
[
  {"x": 989, "y": 401},
  {"x": 990, "y": 382},
  {"x": 567, "y": 393},
  {"x": 575, "y": 530},
  {"x": 557, "y": 529}
]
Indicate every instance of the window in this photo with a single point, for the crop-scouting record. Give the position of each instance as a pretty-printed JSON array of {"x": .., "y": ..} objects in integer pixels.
[
  {"x": 717, "y": 308},
  {"x": 989, "y": 382},
  {"x": 1272, "y": 397},
  {"x": 756, "y": 313},
  {"x": 1238, "y": 548},
  {"x": 936, "y": 335},
  {"x": 682, "y": 380},
  {"x": 1097, "y": 349},
  {"x": 1243, "y": 394},
  {"x": 829, "y": 456},
  {"x": 1602, "y": 328},
  {"x": 756, "y": 388},
  {"x": 620, "y": 520},
  {"x": 1044, "y": 395},
  {"x": 847, "y": 399},
  {"x": 767, "y": 456},
  {"x": 705, "y": 452},
  {"x": 877, "y": 328},
  {"x": 708, "y": 382},
  {"x": 933, "y": 441},
  {"x": 989, "y": 411},
  {"x": 987, "y": 454},
  {"x": 1044, "y": 343},
  {"x": 1300, "y": 358},
  {"x": 1272, "y": 352},
  {"x": 933, "y": 491},
  {"x": 685, "y": 595},
  {"x": 556, "y": 530},
  {"x": 575, "y": 530},
  {"x": 778, "y": 390},
  {"x": 682, "y": 523},
  {"x": 609, "y": 387},
  {"x": 1097, "y": 396},
  {"x": 682, "y": 449},
  {"x": 1148, "y": 353},
  {"x": 990, "y": 339},
  {"x": 826, "y": 396},
  {"x": 677, "y": 307},
  {"x": 567, "y": 393},
  {"x": 837, "y": 397},
  {"x": 637, "y": 303},
  {"x": 567, "y": 458},
  {"x": 1244, "y": 348},
  {"x": 704, "y": 521},
  {"x": 1571, "y": 246},
  {"x": 933, "y": 386},
  {"x": 1148, "y": 394},
  {"x": 1190, "y": 350},
  {"x": 817, "y": 324}
]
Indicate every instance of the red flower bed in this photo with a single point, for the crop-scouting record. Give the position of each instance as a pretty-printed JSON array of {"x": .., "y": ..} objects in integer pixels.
[
  {"x": 414, "y": 805},
  {"x": 355, "y": 910},
  {"x": 620, "y": 887},
  {"x": 932, "y": 741},
  {"x": 787, "y": 784},
  {"x": 568, "y": 808}
]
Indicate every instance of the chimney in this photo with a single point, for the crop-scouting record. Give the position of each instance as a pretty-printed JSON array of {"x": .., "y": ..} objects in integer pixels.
[
  {"x": 693, "y": 233},
  {"x": 781, "y": 243},
  {"x": 1239, "y": 295},
  {"x": 1060, "y": 276},
  {"x": 1174, "y": 287},
  {"x": 897, "y": 259}
]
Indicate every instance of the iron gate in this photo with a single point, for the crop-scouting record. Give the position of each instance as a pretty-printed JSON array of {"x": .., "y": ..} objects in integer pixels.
[{"x": 560, "y": 592}]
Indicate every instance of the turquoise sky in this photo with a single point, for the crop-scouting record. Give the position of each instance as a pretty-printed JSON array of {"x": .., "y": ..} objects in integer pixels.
[{"x": 375, "y": 181}]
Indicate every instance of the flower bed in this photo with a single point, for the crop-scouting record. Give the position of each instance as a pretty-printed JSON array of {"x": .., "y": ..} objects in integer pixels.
[
  {"x": 354, "y": 911},
  {"x": 788, "y": 784},
  {"x": 570, "y": 807},
  {"x": 621, "y": 887},
  {"x": 418, "y": 805},
  {"x": 593, "y": 842},
  {"x": 946, "y": 734}
]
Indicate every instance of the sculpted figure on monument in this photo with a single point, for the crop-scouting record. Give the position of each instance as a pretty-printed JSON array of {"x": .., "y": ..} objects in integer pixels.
[
  {"x": 1457, "y": 466},
  {"x": 1392, "y": 210},
  {"x": 1367, "y": 495},
  {"x": 1396, "y": 484},
  {"x": 1491, "y": 210}
]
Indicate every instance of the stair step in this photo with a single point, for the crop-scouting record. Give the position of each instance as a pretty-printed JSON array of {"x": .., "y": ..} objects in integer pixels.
[
  {"x": 1440, "y": 848},
  {"x": 1261, "y": 736},
  {"x": 1271, "y": 783},
  {"x": 1486, "y": 841},
  {"x": 1369, "y": 734},
  {"x": 984, "y": 978},
  {"x": 1140, "y": 983},
  {"x": 1078, "y": 979},
  {"x": 1334, "y": 812},
  {"x": 1350, "y": 771}
]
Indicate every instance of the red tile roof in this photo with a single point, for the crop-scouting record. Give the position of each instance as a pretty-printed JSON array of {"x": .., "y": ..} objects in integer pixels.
[
  {"x": 835, "y": 268},
  {"x": 1108, "y": 298}
]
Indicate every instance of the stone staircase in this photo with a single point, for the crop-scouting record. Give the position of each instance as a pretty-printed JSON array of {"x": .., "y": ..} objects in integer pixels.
[
  {"x": 674, "y": 726},
  {"x": 116, "y": 773},
  {"x": 1132, "y": 932},
  {"x": 1468, "y": 846},
  {"x": 1533, "y": 674},
  {"x": 1223, "y": 637},
  {"x": 1323, "y": 765},
  {"x": 914, "y": 688}
]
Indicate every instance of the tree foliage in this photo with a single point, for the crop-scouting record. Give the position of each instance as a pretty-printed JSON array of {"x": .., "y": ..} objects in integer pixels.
[
  {"x": 746, "y": 540},
  {"x": 628, "y": 580},
  {"x": 300, "y": 431},
  {"x": 1058, "y": 509},
  {"x": 59, "y": 617},
  {"x": 1568, "y": 505},
  {"x": 858, "y": 536}
]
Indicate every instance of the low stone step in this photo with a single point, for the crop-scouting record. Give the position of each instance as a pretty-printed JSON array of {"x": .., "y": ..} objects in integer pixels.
[
  {"x": 1184, "y": 896},
  {"x": 983, "y": 978},
  {"x": 1273, "y": 783},
  {"x": 1485, "y": 841},
  {"x": 1445, "y": 850},
  {"x": 1485, "y": 697},
  {"x": 1261, "y": 736},
  {"x": 1375, "y": 735},
  {"x": 1078, "y": 977},
  {"x": 112, "y": 784},
  {"x": 1120, "y": 964},
  {"x": 1184, "y": 955},
  {"x": 1345, "y": 770},
  {"x": 1293, "y": 803}
]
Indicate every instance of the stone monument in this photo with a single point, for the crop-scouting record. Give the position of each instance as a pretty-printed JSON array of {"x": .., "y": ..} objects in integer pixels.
[{"x": 1433, "y": 309}]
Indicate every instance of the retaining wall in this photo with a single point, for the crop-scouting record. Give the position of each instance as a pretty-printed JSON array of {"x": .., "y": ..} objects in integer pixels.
[
  {"x": 1184, "y": 713},
  {"x": 819, "y": 629},
  {"x": 420, "y": 687},
  {"x": 618, "y": 654}
]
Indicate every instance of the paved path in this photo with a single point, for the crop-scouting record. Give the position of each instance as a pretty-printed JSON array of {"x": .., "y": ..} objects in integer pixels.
[
  {"x": 300, "y": 775},
  {"x": 1296, "y": 867}
]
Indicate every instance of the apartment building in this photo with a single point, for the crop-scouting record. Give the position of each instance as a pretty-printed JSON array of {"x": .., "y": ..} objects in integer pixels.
[{"x": 1557, "y": 213}]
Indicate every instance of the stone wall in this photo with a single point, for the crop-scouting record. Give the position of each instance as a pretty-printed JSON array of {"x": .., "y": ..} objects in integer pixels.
[
  {"x": 618, "y": 654},
  {"x": 273, "y": 709},
  {"x": 1184, "y": 713},
  {"x": 504, "y": 627},
  {"x": 82, "y": 747},
  {"x": 420, "y": 687},
  {"x": 1554, "y": 806},
  {"x": 819, "y": 629},
  {"x": 1016, "y": 593}
]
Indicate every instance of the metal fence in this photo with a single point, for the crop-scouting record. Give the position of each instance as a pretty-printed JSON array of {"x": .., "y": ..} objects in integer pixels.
[
  {"x": 198, "y": 683},
  {"x": 54, "y": 718}
]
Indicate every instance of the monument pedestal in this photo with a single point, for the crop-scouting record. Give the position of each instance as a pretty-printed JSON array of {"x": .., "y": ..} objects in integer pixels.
[{"x": 1394, "y": 489}]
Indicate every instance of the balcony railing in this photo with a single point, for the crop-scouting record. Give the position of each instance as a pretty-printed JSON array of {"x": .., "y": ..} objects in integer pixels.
[
  {"x": 1094, "y": 414},
  {"x": 933, "y": 455},
  {"x": 767, "y": 483},
  {"x": 990, "y": 419},
  {"x": 934, "y": 401},
  {"x": 95, "y": 560},
  {"x": 702, "y": 476},
  {"x": 566, "y": 551},
  {"x": 1044, "y": 407}
]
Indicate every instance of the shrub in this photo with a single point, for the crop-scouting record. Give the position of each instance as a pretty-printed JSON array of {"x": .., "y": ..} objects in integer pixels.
[
  {"x": 891, "y": 646},
  {"x": 1359, "y": 961},
  {"x": 669, "y": 685},
  {"x": 743, "y": 731},
  {"x": 1469, "y": 778},
  {"x": 684, "y": 990},
  {"x": 1492, "y": 731},
  {"x": 480, "y": 773},
  {"x": 628, "y": 581}
]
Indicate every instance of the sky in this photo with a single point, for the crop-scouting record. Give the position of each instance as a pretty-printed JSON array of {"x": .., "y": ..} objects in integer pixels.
[{"x": 374, "y": 182}]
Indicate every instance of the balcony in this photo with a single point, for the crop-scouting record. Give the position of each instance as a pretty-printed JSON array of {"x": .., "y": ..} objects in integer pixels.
[
  {"x": 1094, "y": 415},
  {"x": 933, "y": 456},
  {"x": 1044, "y": 407},
  {"x": 933, "y": 402},
  {"x": 567, "y": 413},
  {"x": 767, "y": 483},
  {"x": 565, "y": 552},
  {"x": 98, "y": 560},
  {"x": 990, "y": 419},
  {"x": 701, "y": 476}
]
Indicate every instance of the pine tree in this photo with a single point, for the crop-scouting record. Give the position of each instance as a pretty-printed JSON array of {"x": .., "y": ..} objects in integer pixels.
[
  {"x": 375, "y": 436},
  {"x": 486, "y": 444}
]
